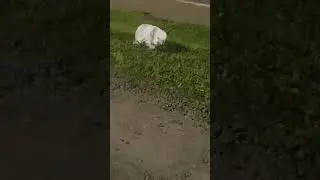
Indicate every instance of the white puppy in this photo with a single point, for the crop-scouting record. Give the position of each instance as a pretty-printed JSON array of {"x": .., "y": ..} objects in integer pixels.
[{"x": 150, "y": 35}]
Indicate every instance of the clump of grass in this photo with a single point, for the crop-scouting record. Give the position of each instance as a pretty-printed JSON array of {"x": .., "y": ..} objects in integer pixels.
[{"x": 179, "y": 68}]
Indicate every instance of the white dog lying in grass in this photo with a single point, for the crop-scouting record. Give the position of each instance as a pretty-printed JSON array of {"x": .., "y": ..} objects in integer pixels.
[{"x": 151, "y": 35}]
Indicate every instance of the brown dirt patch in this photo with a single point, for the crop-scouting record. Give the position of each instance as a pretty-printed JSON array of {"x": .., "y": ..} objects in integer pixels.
[{"x": 150, "y": 143}]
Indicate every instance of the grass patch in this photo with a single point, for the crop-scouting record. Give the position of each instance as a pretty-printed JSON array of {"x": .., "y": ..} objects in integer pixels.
[{"x": 180, "y": 68}]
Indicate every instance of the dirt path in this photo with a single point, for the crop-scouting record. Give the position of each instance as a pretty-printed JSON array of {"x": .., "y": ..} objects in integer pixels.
[{"x": 150, "y": 143}]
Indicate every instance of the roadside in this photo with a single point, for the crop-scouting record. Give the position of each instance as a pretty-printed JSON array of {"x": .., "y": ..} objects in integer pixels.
[{"x": 149, "y": 141}]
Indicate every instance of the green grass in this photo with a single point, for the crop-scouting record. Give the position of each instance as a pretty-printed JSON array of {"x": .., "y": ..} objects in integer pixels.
[{"x": 180, "y": 68}]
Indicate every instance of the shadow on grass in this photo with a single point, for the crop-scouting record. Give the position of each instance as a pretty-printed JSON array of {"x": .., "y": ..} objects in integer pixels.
[
  {"x": 172, "y": 47},
  {"x": 168, "y": 47}
]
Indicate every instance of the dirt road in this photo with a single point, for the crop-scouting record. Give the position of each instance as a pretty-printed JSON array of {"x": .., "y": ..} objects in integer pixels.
[
  {"x": 150, "y": 143},
  {"x": 167, "y": 9}
]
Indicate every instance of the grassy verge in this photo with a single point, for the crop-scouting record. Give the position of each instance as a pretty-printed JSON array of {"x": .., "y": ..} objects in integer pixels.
[{"x": 180, "y": 69}]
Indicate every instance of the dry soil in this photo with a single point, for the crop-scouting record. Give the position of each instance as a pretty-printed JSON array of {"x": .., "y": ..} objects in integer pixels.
[{"x": 148, "y": 142}]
